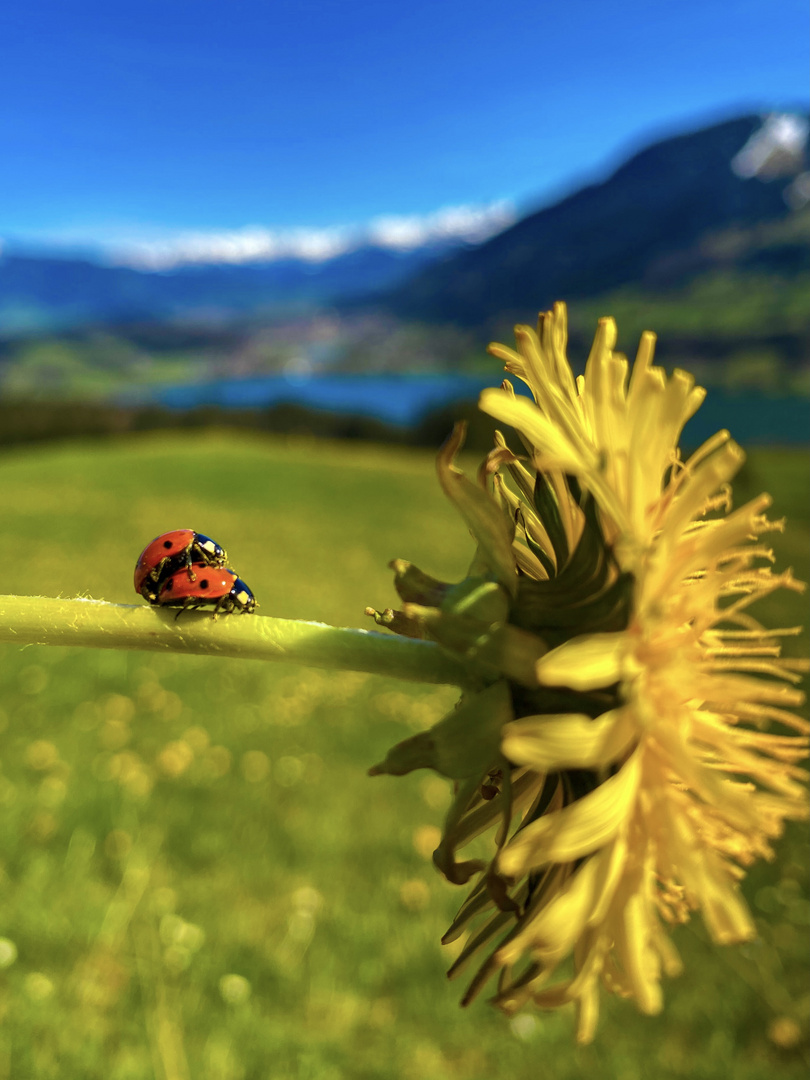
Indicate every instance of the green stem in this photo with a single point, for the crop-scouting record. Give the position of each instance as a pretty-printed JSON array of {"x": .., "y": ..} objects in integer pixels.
[{"x": 29, "y": 620}]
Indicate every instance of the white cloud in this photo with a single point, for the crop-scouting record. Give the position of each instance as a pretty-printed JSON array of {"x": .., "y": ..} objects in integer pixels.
[
  {"x": 251, "y": 244},
  {"x": 255, "y": 243},
  {"x": 470, "y": 223}
]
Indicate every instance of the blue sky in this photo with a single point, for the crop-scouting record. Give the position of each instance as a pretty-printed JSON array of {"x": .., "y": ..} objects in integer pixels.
[{"x": 123, "y": 121}]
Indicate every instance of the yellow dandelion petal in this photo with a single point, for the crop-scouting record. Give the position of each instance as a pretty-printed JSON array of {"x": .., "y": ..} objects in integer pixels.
[
  {"x": 634, "y": 945},
  {"x": 550, "y": 933},
  {"x": 584, "y": 663},
  {"x": 487, "y": 524},
  {"x": 560, "y": 918},
  {"x": 679, "y": 756},
  {"x": 612, "y": 864},
  {"x": 694, "y": 491},
  {"x": 549, "y": 743},
  {"x": 556, "y": 396},
  {"x": 577, "y": 829},
  {"x": 587, "y": 1013},
  {"x": 542, "y": 432},
  {"x": 513, "y": 362},
  {"x": 708, "y": 878}
]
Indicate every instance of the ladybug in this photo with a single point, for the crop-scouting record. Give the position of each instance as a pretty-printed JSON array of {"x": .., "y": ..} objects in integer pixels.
[
  {"x": 210, "y": 585},
  {"x": 170, "y": 552}
]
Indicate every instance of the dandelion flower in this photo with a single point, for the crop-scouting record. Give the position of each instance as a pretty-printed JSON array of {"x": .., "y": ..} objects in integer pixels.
[{"x": 615, "y": 740}]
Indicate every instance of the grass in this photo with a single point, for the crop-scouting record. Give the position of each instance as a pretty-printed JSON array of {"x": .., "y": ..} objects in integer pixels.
[{"x": 198, "y": 877}]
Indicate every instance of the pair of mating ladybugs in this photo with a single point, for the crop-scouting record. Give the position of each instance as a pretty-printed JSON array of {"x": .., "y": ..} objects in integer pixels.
[{"x": 185, "y": 569}]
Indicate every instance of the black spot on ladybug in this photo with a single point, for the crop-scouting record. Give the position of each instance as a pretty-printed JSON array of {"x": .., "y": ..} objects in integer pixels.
[
  {"x": 203, "y": 584},
  {"x": 168, "y": 543}
]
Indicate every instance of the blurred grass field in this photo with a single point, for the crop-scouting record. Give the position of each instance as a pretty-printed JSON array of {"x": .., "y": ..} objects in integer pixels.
[{"x": 198, "y": 878}]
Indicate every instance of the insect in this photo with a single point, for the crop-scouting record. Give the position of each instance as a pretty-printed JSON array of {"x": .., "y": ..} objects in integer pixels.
[
  {"x": 170, "y": 552},
  {"x": 212, "y": 585}
]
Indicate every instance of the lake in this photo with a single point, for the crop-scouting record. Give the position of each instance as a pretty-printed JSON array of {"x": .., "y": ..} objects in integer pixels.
[{"x": 403, "y": 400}]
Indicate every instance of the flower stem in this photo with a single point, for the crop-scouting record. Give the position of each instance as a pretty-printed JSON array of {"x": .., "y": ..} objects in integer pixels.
[{"x": 29, "y": 620}]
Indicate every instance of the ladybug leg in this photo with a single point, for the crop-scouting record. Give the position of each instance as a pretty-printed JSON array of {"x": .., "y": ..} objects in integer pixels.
[
  {"x": 191, "y": 575},
  {"x": 149, "y": 594},
  {"x": 224, "y": 606},
  {"x": 158, "y": 570},
  {"x": 189, "y": 604}
]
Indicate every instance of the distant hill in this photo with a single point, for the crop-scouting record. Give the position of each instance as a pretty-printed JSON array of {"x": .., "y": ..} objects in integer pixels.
[
  {"x": 46, "y": 294},
  {"x": 674, "y": 212}
]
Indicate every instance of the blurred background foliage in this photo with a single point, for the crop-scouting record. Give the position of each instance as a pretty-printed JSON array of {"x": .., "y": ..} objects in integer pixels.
[{"x": 198, "y": 878}]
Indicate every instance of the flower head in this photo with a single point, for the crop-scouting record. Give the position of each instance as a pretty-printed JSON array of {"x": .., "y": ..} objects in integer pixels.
[{"x": 615, "y": 739}]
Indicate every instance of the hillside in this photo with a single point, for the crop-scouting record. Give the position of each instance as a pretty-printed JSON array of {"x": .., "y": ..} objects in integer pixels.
[
  {"x": 43, "y": 294},
  {"x": 674, "y": 213}
]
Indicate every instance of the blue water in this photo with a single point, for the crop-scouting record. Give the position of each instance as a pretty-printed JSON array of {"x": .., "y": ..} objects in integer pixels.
[
  {"x": 404, "y": 399},
  {"x": 752, "y": 419},
  {"x": 396, "y": 399}
]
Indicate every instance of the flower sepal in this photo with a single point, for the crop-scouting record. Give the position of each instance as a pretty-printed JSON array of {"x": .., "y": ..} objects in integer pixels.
[
  {"x": 496, "y": 649},
  {"x": 465, "y": 743},
  {"x": 491, "y": 528},
  {"x": 416, "y": 587}
]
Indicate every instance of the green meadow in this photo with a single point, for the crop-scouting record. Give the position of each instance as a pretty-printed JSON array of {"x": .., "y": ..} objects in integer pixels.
[{"x": 197, "y": 877}]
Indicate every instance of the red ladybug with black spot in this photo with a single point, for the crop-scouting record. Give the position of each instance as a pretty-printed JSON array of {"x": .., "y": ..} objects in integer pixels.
[
  {"x": 170, "y": 552},
  {"x": 212, "y": 586}
]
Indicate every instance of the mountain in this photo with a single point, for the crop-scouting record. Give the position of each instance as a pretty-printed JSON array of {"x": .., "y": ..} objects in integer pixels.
[
  {"x": 685, "y": 207},
  {"x": 650, "y": 225},
  {"x": 46, "y": 294}
]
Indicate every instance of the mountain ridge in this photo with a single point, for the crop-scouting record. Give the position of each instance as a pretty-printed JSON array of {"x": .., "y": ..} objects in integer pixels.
[
  {"x": 642, "y": 225},
  {"x": 650, "y": 225}
]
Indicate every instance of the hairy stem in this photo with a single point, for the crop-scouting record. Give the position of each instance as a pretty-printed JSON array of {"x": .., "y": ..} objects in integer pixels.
[{"x": 29, "y": 620}]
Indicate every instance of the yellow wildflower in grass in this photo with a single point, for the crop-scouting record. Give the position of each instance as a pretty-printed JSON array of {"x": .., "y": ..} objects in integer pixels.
[{"x": 615, "y": 742}]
